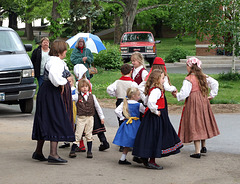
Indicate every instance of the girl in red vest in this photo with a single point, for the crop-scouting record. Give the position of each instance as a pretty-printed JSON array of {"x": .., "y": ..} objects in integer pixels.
[
  {"x": 139, "y": 71},
  {"x": 156, "y": 136}
]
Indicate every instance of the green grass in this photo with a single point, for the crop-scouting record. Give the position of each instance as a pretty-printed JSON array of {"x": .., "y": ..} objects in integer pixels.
[
  {"x": 227, "y": 94},
  {"x": 164, "y": 48}
]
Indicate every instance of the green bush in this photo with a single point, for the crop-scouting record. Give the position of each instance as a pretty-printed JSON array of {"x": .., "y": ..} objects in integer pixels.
[
  {"x": 109, "y": 58},
  {"x": 67, "y": 59},
  {"x": 176, "y": 54},
  {"x": 229, "y": 76}
]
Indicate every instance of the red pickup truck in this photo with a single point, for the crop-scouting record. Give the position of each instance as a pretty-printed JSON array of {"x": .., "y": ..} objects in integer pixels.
[{"x": 140, "y": 41}]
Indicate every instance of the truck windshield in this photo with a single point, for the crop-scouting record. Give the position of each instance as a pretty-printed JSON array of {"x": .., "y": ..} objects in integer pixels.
[
  {"x": 137, "y": 37},
  {"x": 10, "y": 42}
]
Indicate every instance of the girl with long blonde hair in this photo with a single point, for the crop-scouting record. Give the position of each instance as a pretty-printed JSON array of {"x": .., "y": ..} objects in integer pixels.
[{"x": 128, "y": 112}]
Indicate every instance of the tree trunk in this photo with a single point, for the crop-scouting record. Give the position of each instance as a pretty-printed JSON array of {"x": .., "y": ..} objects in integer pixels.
[
  {"x": 13, "y": 20},
  {"x": 29, "y": 31},
  {"x": 129, "y": 15},
  {"x": 117, "y": 31},
  {"x": 55, "y": 31}
]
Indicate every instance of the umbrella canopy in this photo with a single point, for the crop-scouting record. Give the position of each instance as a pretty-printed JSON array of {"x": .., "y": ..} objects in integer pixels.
[{"x": 93, "y": 42}]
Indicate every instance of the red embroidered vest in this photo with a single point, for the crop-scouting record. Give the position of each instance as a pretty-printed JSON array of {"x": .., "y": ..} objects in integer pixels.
[
  {"x": 160, "y": 102},
  {"x": 138, "y": 77}
]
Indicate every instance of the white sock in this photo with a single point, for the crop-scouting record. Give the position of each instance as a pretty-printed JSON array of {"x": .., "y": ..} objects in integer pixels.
[{"x": 123, "y": 157}]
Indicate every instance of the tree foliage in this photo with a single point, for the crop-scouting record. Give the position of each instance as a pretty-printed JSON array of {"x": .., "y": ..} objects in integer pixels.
[{"x": 220, "y": 19}]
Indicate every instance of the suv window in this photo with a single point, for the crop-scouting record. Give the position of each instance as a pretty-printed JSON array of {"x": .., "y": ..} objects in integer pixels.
[
  {"x": 10, "y": 42},
  {"x": 137, "y": 37}
]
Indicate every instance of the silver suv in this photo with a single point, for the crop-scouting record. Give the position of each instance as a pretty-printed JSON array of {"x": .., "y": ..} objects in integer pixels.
[{"x": 16, "y": 71}]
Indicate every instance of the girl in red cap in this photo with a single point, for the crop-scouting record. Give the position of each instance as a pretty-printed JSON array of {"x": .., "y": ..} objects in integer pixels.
[{"x": 158, "y": 64}]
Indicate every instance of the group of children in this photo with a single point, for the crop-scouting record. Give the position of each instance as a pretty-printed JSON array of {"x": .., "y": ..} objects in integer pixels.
[
  {"x": 152, "y": 135},
  {"x": 142, "y": 112}
]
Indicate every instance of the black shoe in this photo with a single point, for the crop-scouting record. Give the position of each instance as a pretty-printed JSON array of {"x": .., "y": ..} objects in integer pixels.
[
  {"x": 195, "y": 155},
  {"x": 125, "y": 162},
  {"x": 144, "y": 161},
  {"x": 65, "y": 145},
  {"x": 203, "y": 150},
  {"x": 121, "y": 149},
  {"x": 72, "y": 154},
  {"x": 138, "y": 160},
  {"x": 39, "y": 157},
  {"x": 89, "y": 155},
  {"x": 56, "y": 160},
  {"x": 103, "y": 147},
  {"x": 154, "y": 166}
]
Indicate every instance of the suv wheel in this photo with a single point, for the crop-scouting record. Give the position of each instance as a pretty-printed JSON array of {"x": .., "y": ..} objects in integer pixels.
[
  {"x": 150, "y": 61},
  {"x": 26, "y": 105}
]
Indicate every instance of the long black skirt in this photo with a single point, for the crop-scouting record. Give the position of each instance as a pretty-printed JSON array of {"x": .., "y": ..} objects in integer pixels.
[
  {"x": 52, "y": 121},
  {"x": 156, "y": 137}
]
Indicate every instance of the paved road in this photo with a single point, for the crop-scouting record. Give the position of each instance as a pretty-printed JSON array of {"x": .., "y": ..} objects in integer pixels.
[
  {"x": 219, "y": 166},
  {"x": 211, "y": 69}
]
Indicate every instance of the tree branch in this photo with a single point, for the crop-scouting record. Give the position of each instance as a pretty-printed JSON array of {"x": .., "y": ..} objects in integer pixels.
[
  {"x": 116, "y": 2},
  {"x": 151, "y": 7}
]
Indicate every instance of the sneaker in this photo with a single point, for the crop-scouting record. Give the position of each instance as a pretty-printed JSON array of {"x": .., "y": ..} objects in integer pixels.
[
  {"x": 82, "y": 149},
  {"x": 124, "y": 162},
  {"x": 103, "y": 147},
  {"x": 154, "y": 166},
  {"x": 203, "y": 150},
  {"x": 89, "y": 155}
]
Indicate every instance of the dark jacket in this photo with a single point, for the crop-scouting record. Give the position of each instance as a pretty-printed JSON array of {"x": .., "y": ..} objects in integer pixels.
[{"x": 36, "y": 60}]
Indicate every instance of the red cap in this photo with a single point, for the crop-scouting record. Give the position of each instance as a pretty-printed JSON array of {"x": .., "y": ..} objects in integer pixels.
[{"x": 158, "y": 61}]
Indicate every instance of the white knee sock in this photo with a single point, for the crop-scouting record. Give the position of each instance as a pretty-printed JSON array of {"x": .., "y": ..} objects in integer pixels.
[{"x": 123, "y": 157}]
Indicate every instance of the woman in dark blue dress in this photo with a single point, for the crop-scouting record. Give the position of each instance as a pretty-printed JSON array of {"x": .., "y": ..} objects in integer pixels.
[{"x": 53, "y": 117}]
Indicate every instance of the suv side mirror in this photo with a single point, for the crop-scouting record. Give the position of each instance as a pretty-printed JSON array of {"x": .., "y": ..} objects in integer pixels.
[
  {"x": 158, "y": 41},
  {"x": 28, "y": 47}
]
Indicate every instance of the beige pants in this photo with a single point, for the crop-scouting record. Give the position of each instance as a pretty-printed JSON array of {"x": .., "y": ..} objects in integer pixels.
[{"x": 84, "y": 124}]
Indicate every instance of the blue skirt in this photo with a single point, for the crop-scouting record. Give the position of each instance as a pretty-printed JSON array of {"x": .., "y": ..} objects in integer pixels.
[
  {"x": 52, "y": 121},
  {"x": 156, "y": 137}
]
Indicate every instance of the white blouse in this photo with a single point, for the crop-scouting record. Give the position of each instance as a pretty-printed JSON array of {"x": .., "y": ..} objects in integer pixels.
[
  {"x": 187, "y": 87},
  {"x": 136, "y": 70},
  {"x": 118, "y": 111},
  {"x": 166, "y": 85},
  {"x": 152, "y": 99},
  {"x": 55, "y": 66}
]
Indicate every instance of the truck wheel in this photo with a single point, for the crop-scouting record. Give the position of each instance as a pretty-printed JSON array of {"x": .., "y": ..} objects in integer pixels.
[
  {"x": 26, "y": 105},
  {"x": 150, "y": 61}
]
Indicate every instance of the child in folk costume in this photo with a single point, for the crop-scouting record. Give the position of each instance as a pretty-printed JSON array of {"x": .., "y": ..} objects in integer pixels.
[
  {"x": 71, "y": 81},
  {"x": 139, "y": 71},
  {"x": 158, "y": 64},
  {"x": 86, "y": 105},
  {"x": 98, "y": 128},
  {"x": 120, "y": 86},
  {"x": 129, "y": 111},
  {"x": 156, "y": 136},
  {"x": 197, "y": 122}
]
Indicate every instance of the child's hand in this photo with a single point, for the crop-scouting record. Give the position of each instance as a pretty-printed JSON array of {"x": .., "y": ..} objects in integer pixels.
[
  {"x": 159, "y": 113},
  {"x": 102, "y": 121},
  {"x": 210, "y": 98},
  {"x": 174, "y": 94}
]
